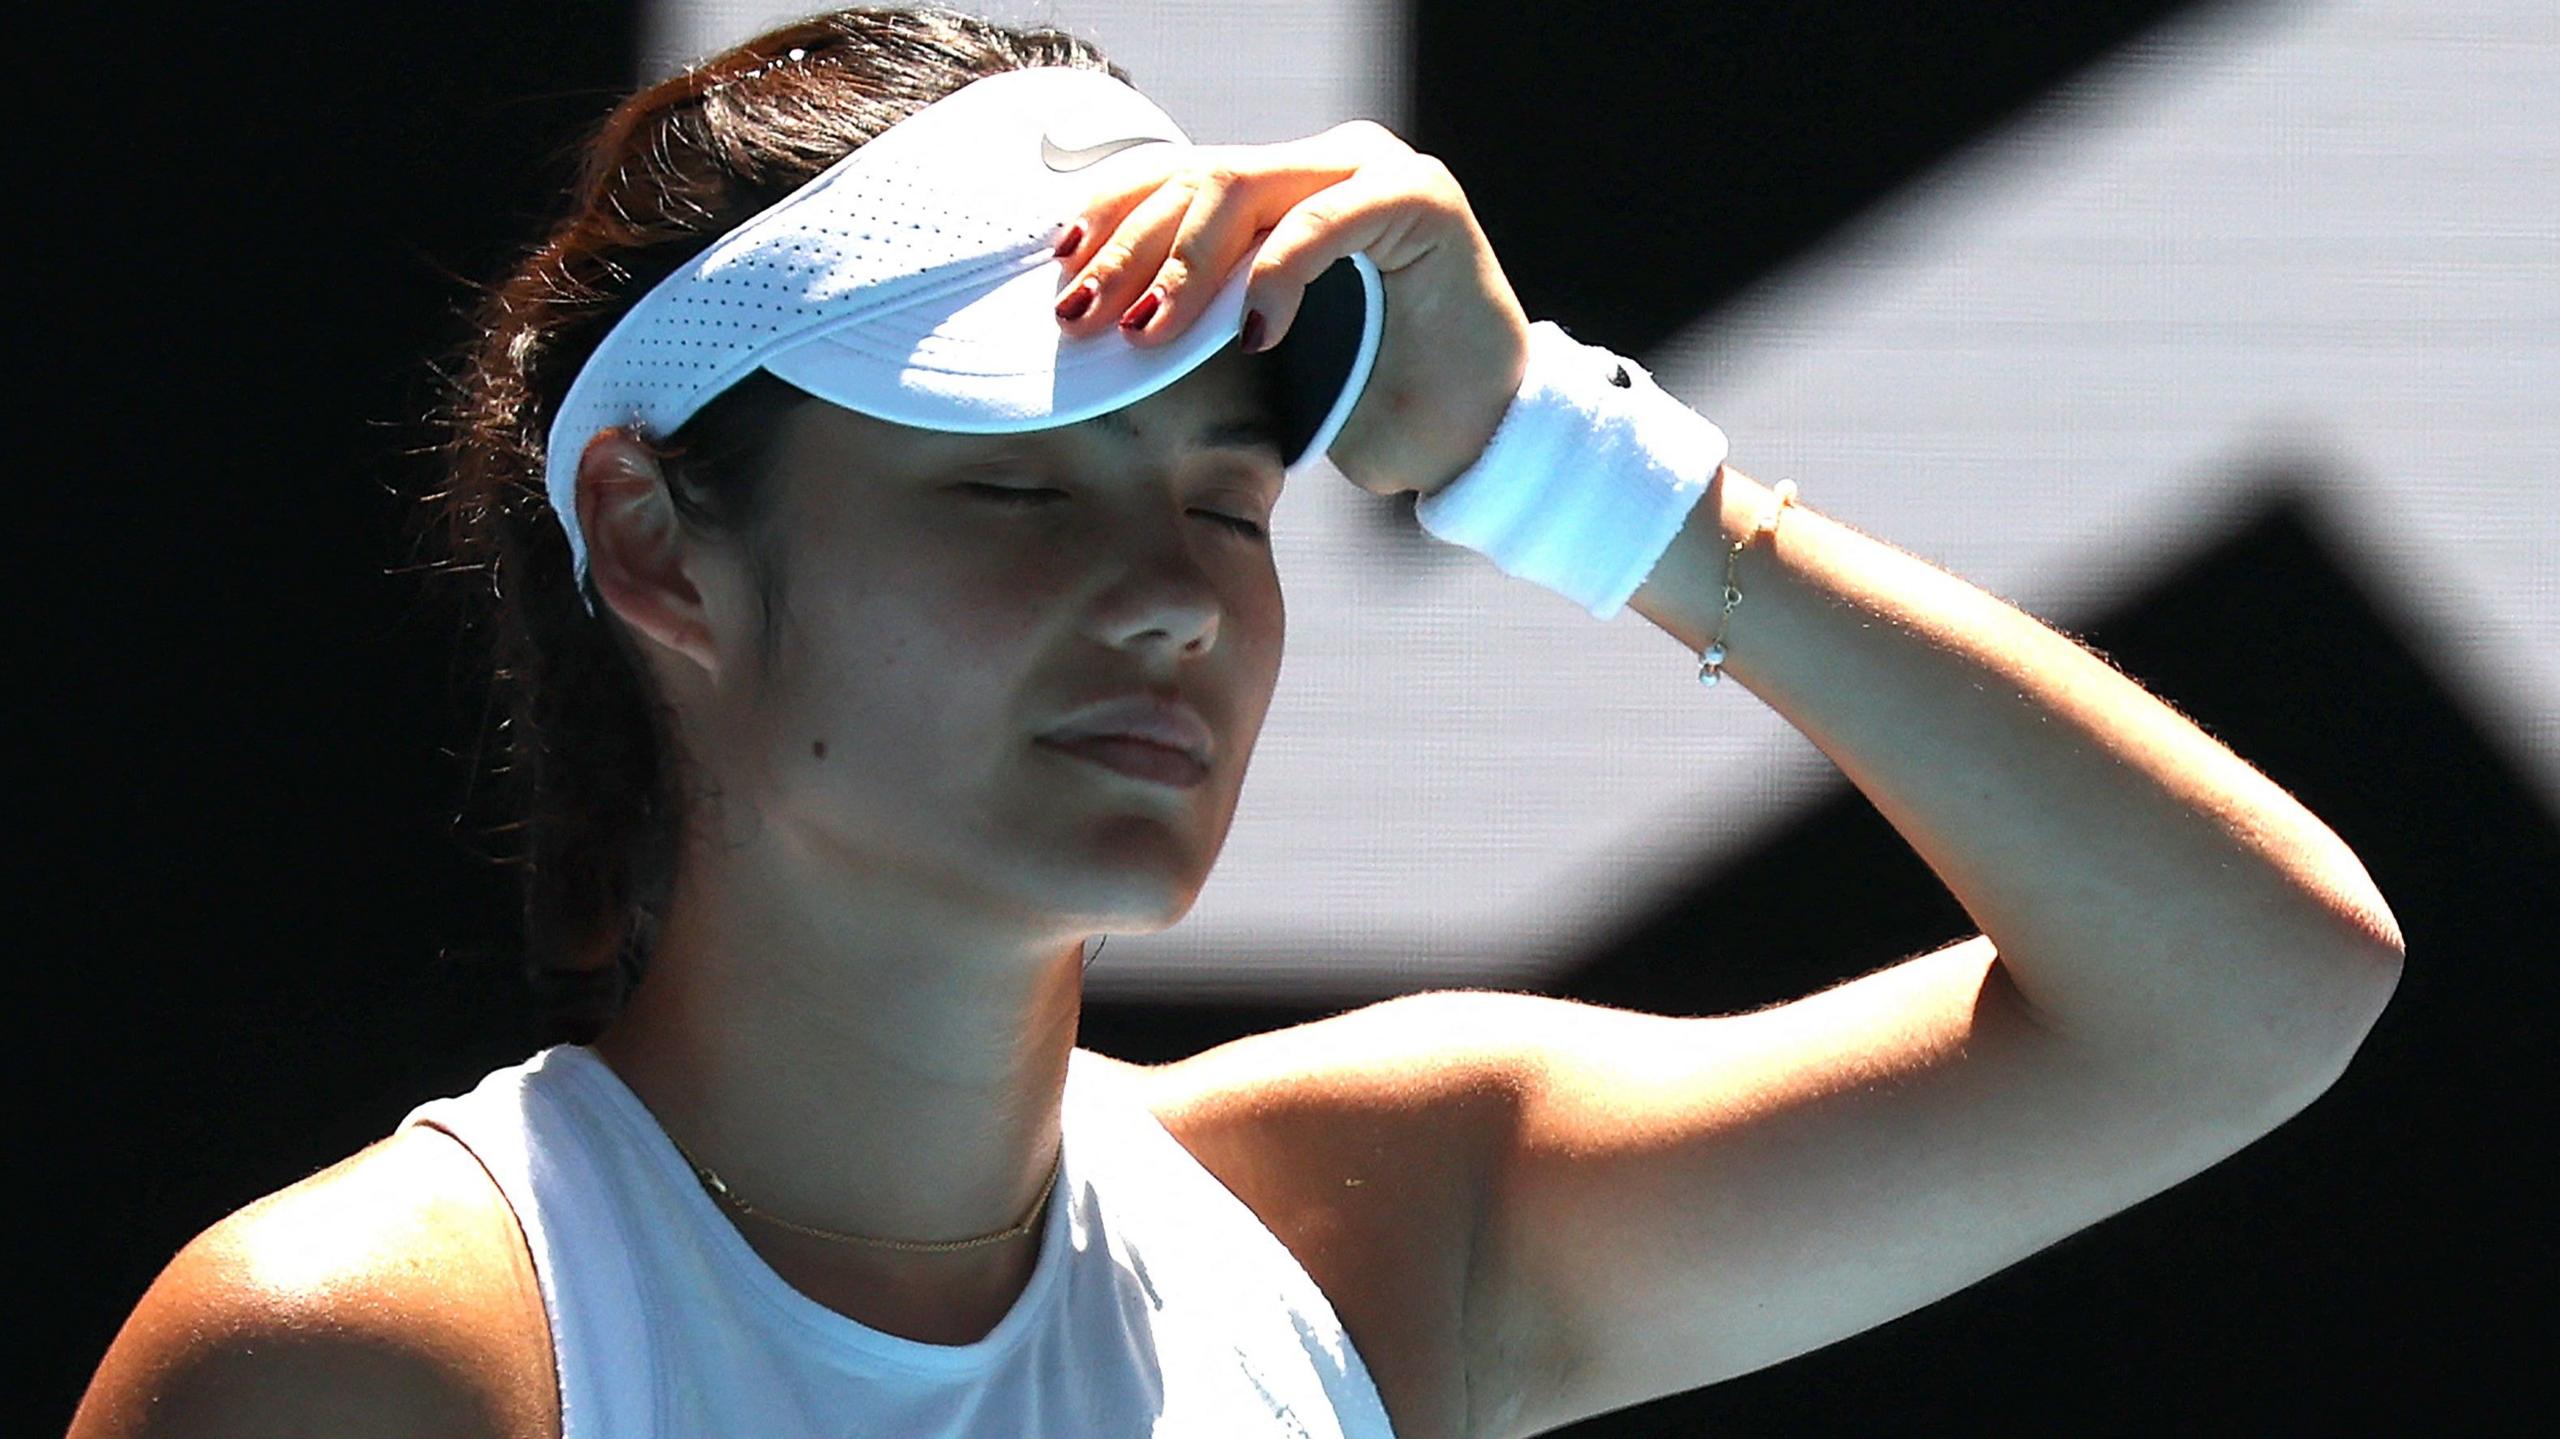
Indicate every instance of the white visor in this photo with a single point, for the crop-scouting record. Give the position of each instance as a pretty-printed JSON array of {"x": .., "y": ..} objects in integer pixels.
[{"x": 915, "y": 279}]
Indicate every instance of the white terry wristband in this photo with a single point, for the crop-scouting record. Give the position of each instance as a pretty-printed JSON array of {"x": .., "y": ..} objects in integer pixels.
[{"x": 1591, "y": 474}]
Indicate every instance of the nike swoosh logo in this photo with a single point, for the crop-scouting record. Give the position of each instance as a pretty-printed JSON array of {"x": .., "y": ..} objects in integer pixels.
[{"x": 1066, "y": 161}]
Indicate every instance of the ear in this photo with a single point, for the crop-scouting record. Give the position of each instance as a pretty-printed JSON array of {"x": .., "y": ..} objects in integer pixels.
[{"x": 638, "y": 551}]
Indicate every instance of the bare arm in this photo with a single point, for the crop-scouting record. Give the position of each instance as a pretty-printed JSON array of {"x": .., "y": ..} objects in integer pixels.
[
  {"x": 2147, "y": 891},
  {"x": 373, "y": 1300},
  {"x": 2176, "y": 957},
  {"x": 210, "y": 1352}
]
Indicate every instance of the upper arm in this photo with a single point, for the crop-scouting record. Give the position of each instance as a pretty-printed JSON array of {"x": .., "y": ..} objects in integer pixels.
[
  {"x": 315, "y": 1313},
  {"x": 211, "y": 1353},
  {"x": 1684, "y": 1200}
]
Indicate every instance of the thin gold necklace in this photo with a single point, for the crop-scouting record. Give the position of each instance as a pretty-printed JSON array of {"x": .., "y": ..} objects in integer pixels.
[{"x": 720, "y": 1190}]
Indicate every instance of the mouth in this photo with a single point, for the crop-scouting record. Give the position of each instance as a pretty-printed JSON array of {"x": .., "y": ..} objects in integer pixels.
[{"x": 1136, "y": 758}]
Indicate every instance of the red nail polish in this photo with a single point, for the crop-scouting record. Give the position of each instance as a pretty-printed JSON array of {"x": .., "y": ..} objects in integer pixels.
[
  {"x": 1079, "y": 299},
  {"x": 1074, "y": 237},
  {"x": 1252, "y": 331},
  {"x": 1142, "y": 311}
]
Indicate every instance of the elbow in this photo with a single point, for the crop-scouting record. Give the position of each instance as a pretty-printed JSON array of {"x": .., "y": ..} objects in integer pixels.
[
  {"x": 2349, "y": 971},
  {"x": 2354, "y": 943},
  {"x": 2370, "y": 973},
  {"x": 2358, "y": 989},
  {"x": 2377, "y": 974}
]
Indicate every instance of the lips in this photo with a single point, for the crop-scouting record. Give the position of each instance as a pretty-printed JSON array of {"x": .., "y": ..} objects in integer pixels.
[
  {"x": 1151, "y": 719},
  {"x": 1137, "y": 759}
]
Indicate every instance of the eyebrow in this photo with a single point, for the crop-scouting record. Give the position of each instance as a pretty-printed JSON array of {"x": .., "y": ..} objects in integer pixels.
[{"x": 1242, "y": 432}]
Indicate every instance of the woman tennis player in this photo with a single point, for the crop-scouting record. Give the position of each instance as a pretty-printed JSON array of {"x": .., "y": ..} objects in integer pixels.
[{"x": 872, "y": 472}]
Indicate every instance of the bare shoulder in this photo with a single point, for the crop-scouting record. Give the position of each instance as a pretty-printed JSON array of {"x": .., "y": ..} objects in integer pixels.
[
  {"x": 387, "y": 1295},
  {"x": 1382, "y": 1063},
  {"x": 1361, "y": 1140},
  {"x": 1396, "y": 1099}
]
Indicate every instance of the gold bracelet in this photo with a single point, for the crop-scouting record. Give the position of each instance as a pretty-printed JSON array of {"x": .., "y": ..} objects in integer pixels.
[{"x": 1708, "y": 661}]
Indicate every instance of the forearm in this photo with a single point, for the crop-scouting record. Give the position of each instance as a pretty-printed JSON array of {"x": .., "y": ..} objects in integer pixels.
[{"x": 2145, "y": 887}]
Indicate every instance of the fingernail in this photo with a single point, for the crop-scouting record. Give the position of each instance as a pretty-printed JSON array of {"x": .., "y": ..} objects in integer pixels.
[
  {"x": 1079, "y": 299},
  {"x": 1252, "y": 331},
  {"x": 1074, "y": 237},
  {"x": 1143, "y": 311}
]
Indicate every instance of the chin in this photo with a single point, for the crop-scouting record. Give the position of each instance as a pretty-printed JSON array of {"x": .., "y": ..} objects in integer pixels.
[
  {"x": 1136, "y": 916},
  {"x": 1128, "y": 903}
]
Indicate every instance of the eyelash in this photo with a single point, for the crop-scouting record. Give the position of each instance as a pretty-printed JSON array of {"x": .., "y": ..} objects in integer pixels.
[{"x": 1014, "y": 495}]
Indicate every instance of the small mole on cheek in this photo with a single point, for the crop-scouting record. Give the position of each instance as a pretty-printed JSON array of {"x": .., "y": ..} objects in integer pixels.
[{"x": 818, "y": 749}]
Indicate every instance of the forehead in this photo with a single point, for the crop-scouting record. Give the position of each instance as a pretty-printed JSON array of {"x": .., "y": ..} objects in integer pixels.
[{"x": 1229, "y": 386}]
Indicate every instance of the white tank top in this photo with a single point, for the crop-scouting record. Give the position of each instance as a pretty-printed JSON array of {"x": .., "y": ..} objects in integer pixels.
[{"x": 1159, "y": 1305}]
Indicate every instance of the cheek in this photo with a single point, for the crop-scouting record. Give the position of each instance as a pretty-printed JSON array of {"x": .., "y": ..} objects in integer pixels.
[
  {"x": 912, "y": 657},
  {"x": 1262, "y": 640},
  {"x": 964, "y": 621}
]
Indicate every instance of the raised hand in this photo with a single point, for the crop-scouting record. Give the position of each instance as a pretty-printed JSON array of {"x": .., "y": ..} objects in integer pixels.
[{"x": 1154, "y": 249}]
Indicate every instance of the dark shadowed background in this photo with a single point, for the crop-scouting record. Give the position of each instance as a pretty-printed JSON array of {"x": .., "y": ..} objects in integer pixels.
[{"x": 258, "y": 936}]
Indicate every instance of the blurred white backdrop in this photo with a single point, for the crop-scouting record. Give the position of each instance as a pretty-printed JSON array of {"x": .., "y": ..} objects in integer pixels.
[{"x": 2327, "y": 230}]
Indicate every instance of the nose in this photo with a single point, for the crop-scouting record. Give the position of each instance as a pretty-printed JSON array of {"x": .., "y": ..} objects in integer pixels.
[{"x": 1161, "y": 599}]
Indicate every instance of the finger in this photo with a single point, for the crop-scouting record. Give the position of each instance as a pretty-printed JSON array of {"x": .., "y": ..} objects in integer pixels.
[
  {"x": 1143, "y": 171},
  {"x": 1185, "y": 225},
  {"x": 1238, "y": 193},
  {"x": 1320, "y": 159},
  {"x": 1211, "y": 237},
  {"x": 1398, "y": 212},
  {"x": 1124, "y": 260}
]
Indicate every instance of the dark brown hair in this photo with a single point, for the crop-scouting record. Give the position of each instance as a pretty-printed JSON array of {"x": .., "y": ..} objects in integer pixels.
[{"x": 585, "y": 759}]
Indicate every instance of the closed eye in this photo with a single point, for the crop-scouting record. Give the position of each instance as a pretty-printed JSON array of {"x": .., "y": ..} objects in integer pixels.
[
  {"x": 1013, "y": 494},
  {"x": 1016, "y": 495}
]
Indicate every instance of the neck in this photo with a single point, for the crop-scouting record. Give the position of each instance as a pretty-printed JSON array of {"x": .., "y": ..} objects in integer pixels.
[{"x": 859, "y": 1064}]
